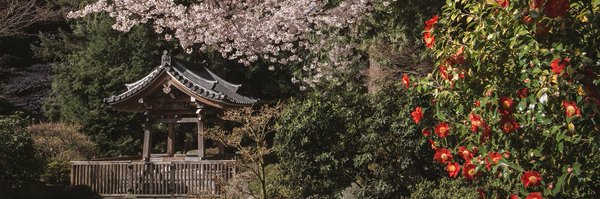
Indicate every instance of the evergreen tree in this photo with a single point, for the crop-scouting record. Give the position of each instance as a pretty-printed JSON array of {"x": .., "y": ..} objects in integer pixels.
[{"x": 94, "y": 62}]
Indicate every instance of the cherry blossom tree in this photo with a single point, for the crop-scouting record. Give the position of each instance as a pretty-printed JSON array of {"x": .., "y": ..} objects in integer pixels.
[{"x": 273, "y": 30}]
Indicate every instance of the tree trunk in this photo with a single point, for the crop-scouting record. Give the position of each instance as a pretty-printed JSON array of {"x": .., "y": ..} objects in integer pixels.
[{"x": 262, "y": 179}]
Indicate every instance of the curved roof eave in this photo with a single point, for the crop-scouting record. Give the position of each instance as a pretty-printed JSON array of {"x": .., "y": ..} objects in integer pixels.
[{"x": 220, "y": 93}]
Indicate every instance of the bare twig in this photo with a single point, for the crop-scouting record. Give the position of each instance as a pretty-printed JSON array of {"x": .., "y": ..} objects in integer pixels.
[{"x": 16, "y": 15}]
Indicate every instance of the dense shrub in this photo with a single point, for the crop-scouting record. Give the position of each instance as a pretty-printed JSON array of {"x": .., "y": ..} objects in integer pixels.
[
  {"x": 515, "y": 94},
  {"x": 18, "y": 161},
  {"x": 56, "y": 172},
  {"x": 60, "y": 143},
  {"x": 316, "y": 143},
  {"x": 392, "y": 154},
  {"x": 486, "y": 187}
]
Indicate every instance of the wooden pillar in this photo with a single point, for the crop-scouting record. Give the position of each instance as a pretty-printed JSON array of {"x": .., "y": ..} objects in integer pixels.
[
  {"x": 201, "y": 152},
  {"x": 147, "y": 138},
  {"x": 170, "y": 139},
  {"x": 200, "y": 115}
]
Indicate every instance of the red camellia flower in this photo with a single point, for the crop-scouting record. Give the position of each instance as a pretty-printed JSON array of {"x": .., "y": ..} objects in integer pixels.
[
  {"x": 417, "y": 114},
  {"x": 429, "y": 39},
  {"x": 442, "y": 155},
  {"x": 406, "y": 80},
  {"x": 429, "y": 23},
  {"x": 453, "y": 169},
  {"x": 509, "y": 124},
  {"x": 531, "y": 179},
  {"x": 476, "y": 122},
  {"x": 426, "y": 132},
  {"x": 443, "y": 72},
  {"x": 442, "y": 129},
  {"x": 557, "y": 8},
  {"x": 506, "y": 105},
  {"x": 535, "y": 195},
  {"x": 503, "y": 3},
  {"x": 514, "y": 196},
  {"x": 571, "y": 109},
  {"x": 523, "y": 93},
  {"x": 477, "y": 103},
  {"x": 493, "y": 158},
  {"x": 558, "y": 66},
  {"x": 465, "y": 153},
  {"x": 469, "y": 171}
]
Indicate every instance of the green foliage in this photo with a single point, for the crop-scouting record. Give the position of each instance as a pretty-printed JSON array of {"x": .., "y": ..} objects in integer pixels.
[
  {"x": 392, "y": 153},
  {"x": 56, "y": 172},
  {"x": 512, "y": 48},
  {"x": 316, "y": 143},
  {"x": 442, "y": 189},
  {"x": 18, "y": 158},
  {"x": 95, "y": 62},
  {"x": 392, "y": 33},
  {"x": 275, "y": 187}
]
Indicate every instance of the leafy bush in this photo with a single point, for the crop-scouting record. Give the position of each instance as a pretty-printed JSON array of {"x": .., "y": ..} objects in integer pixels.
[
  {"x": 60, "y": 143},
  {"x": 449, "y": 188},
  {"x": 18, "y": 161},
  {"x": 57, "y": 172},
  {"x": 275, "y": 187},
  {"x": 392, "y": 154},
  {"x": 516, "y": 94},
  {"x": 316, "y": 143}
]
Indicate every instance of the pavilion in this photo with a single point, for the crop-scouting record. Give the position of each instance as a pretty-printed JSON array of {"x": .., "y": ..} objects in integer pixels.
[
  {"x": 172, "y": 93},
  {"x": 177, "y": 91}
]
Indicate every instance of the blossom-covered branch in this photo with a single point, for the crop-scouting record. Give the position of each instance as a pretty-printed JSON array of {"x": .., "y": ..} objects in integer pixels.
[{"x": 275, "y": 30}]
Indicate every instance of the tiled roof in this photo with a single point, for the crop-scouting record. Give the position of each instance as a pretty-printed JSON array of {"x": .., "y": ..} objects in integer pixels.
[{"x": 202, "y": 82}]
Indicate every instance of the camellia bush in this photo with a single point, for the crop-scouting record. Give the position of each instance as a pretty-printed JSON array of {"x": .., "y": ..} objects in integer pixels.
[{"x": 515, "y": 96}]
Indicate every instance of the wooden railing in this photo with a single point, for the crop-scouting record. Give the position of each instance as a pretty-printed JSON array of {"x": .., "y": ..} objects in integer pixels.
[{"x": 154, "y": 179}]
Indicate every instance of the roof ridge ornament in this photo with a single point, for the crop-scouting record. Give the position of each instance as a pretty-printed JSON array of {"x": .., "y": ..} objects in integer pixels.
[{"x": 165, "y": 59}]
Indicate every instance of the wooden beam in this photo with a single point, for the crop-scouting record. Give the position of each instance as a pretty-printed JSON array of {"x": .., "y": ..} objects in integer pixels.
[
  {"x": 170, "y": 139},
  {"x": 178, "y": 120},
  {"x": 184, "y": 120}
]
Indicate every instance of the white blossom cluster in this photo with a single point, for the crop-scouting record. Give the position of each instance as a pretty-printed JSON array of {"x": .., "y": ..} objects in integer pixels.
[{"x": 243, "y": 30}]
